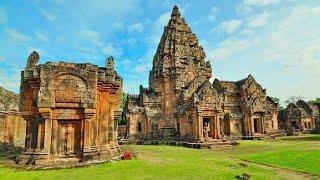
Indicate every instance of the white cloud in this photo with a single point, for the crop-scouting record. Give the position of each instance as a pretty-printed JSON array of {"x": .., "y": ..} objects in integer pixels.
[
  {"x": 259, "y": 20},
  {"x": 17, "y": 36},
  {"x": 248, "y": 5},
  {"x": 213, "y": 13},
  {"x": 49, "y": 16},
  {"x": 229, "y": 26},
  {"x": 92, "y": 36},
  {"x": 137, "y": 27},
  {"x": 260, "y": 2},
  {"x": 9, "y": 81},
  {"x": 41, "y": 36},
  {"x": 132, "y": 41},
  {"x": 230, "y": 47},
  {"x": 287, "y": 50},
  {"x": 140, "y": 68},
  {"x": 111, "y": 50},
  {"x": 3, "y": 16},
  {"x": 117, "y": 25}
]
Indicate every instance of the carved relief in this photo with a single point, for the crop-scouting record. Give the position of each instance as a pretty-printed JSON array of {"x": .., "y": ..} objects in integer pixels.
[
  {"x": 70, "y": 89},
  {"x": 68, "y": 114}
]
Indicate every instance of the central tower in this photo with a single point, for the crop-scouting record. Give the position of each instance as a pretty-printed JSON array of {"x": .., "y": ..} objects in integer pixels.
[{"x": 179, "y": 60}]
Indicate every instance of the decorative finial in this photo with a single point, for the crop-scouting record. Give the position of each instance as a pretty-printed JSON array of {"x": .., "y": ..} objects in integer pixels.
[
  {"x": 175, "y": 11},
  {"x": 110, "y": 63},
  {"x": 33, "y": 60}
]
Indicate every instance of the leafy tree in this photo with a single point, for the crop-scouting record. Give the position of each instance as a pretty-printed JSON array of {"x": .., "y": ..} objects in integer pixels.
[
  {"x": 293, "y": 99},
  {"x": 317, "y": 101},
  {"x": 275, "y": 99},
  {"x": 124, "y": 100}
]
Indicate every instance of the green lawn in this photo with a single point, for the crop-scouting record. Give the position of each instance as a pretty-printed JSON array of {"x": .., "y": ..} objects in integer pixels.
[{"x": 170, "y": 162}]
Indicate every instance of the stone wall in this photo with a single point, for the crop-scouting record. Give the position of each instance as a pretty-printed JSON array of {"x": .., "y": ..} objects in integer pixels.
[{"x": 12, "y": 129}]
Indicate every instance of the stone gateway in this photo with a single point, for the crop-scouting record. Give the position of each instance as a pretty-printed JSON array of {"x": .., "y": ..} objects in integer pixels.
[{"x": 70, "y": 111}]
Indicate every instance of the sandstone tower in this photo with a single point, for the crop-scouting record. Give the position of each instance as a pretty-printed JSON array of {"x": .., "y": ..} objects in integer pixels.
[{"x": 180, "y": 102}]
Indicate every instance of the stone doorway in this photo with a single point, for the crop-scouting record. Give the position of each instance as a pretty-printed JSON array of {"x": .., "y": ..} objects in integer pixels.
[
  {"x": 207, "y": 127},
  {"x": 69, "y": 139},
  {"x": 257, "y": 125}
]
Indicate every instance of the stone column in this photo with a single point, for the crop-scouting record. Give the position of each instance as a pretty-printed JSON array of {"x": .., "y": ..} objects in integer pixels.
[
  {"x": 200, "y": 122},
  {"x": 111, "y": 125},
  {"x": 39, "y": 135},
  {"x": 54, "y": 139},
  {"x": 28, "y": 131},
  {"x": 87, "y": 131},
  {"x": 47, "y": 131}
]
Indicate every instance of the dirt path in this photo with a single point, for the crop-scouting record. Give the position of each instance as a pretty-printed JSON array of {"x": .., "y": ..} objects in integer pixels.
[{"x": 287, "y": 173}]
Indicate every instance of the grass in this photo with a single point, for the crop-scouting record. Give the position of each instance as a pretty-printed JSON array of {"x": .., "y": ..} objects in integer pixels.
[{"x": 170, "y": 162}]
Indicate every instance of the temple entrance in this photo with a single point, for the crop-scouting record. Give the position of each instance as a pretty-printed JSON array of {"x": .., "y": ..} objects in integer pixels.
[
  {"x": 257, "y": 125},
  {"x": 69, "y": 138},
  {"x": 207, "y": 128}
]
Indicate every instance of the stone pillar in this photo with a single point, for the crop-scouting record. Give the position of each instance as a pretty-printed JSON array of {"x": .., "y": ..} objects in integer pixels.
[
  {"x": 87, "y": 131},
  {"x": 28, "y": 132},
  {"x": 200, "y": 122},
  {"x": 39, "y": 135},
  {"x": 263, "y": 124},
  {"x": 47, "y": 131},
  {"x": 111, "y": 125},
  {"x": 54, "y": 139}
]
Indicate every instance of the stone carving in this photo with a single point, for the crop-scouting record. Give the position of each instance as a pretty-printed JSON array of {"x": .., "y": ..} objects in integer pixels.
[
  {"x": 33, "y": 60},
  {"x": 78, "y": 109},
  {"x": 301, "y": 116},
  {"x": 70, "y": 90},
  {"x": 179, "y": 90}
]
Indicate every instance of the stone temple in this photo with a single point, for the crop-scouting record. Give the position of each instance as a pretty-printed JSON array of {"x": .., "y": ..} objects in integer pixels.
[
  {"x": 70, "y": 111},
  {"x": 182, "y": 104}
]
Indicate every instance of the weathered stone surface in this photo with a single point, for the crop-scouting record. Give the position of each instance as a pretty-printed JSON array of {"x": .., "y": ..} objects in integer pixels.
[
  {"x": 70, "y": 111},
  {"x": 181, "y": 102},
  {"x": 9, "y": 101},
  {"x": 301, "y": 116},
  {"x": 12, "y": 130},
  {"x": 12, "y": 124}
]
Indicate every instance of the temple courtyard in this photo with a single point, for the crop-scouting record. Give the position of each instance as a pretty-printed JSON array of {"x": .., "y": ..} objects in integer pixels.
[{"x": 284, "y": 158}]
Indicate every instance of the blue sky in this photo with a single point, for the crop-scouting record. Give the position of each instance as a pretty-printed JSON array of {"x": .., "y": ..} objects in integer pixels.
[{"x": 277, "y": 41}]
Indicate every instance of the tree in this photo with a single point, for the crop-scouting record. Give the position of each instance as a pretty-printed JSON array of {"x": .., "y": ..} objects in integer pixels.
[
  {"x": 293, "y": 99},
  {"x": 275, "y": 99},
  {"x": 124, "y": 100},
  {"x": 317, "y": 101}
]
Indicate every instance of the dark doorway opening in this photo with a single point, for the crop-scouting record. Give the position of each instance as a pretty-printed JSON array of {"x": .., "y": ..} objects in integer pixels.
[
  {"x": 257, "y": 125},
  {"x": 139, "y": 127},
  {"x": 206, "y": 126}
]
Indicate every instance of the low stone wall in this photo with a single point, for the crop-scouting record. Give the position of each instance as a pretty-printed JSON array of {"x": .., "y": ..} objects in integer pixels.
[{"x": 12, "y": 130}]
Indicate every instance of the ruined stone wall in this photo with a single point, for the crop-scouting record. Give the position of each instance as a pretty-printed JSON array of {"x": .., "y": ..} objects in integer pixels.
[{"x": 12, "y": 129}]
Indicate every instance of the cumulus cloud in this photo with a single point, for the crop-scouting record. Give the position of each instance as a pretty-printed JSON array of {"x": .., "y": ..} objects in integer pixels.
[
  {"x": 213, "y": 13},
  {"x": 137, "y": 27},
  {"x": 260, "y": 2},
  {"x": 17, "y": 36},
  {"x": 117, "y": 25},
  {"x": 111, "y": 50},
  {"x": 140, "y": 68},
  {"x": 259, "y": 20},
  {"x": 41, "y": 36},
  {"x": 229, "y": 26},
  {"x": 287, "y": 49},
  {"x": 92, "y": 36},
  {"x": 48, "y": 15},
  {"x": 247, "y": 5}
]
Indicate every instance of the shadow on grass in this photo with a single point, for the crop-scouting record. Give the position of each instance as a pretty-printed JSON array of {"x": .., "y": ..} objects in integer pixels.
[{"x": 302, "y": 138}]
